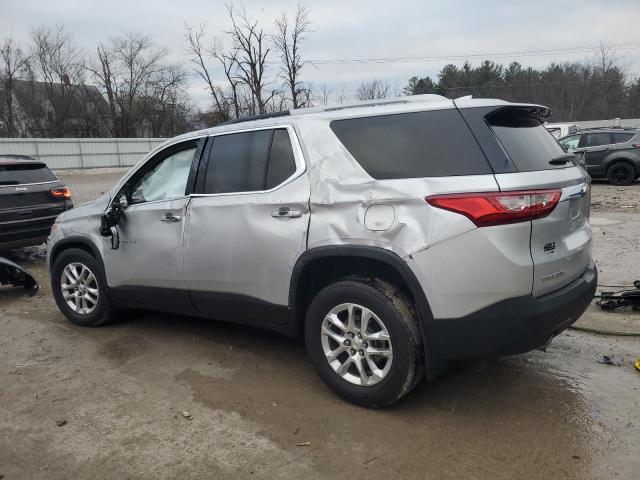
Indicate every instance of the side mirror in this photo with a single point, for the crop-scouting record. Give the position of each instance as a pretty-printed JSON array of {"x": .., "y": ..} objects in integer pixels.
[{"x": 110, "y": 220}]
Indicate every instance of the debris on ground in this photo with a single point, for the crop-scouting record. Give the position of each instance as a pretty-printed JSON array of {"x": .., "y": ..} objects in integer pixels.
[
  {"x": 608, "y": 360},
  {"x": 304, "y": 444},
  {"x": 186, "y": 415},
  {"x": 13, "y": 274},
  {"x": 629, "y": 297},
  {"x": 61, "y": 421},
  {"x": 637, "y": 364}
]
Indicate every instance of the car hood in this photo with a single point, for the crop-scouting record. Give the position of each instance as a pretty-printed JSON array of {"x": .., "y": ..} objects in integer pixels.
[{"x": 95, "y": 207}]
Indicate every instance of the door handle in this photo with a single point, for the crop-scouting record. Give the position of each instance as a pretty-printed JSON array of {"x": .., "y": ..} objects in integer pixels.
[
  {"x": 170, "y": 218},
  {"x": 286, "y": 213}
]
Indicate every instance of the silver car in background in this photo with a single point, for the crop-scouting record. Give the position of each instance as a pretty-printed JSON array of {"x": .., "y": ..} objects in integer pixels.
[{"x": 393, "y": 236}]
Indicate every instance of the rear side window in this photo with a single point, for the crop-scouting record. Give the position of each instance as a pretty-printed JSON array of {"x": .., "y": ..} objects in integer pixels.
[
  {"x": 249, "y": 161},
  {"x": 412, "y": 145},
  {"x": 529, "y": 145},
  {"x": 596, "y": 139},
  {"x": 619, "y": 137},
  {"x": 238, "y": 162},
  {"x": 282, "y": 163},
  {"x": 26, "y": 173}
]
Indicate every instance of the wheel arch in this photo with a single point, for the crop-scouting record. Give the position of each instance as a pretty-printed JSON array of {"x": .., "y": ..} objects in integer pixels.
[
  {"x": 320, "y": 266},
  {"x": 623, "y": 159},
  {"x": 81, "y": 243}
]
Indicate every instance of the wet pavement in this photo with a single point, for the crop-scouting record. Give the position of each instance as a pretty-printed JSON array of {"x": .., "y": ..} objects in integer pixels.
[{"x": 253, "y": 398}]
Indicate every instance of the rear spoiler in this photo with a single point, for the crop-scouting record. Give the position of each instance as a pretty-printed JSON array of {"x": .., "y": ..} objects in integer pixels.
[{"x": 13, "y": 274}]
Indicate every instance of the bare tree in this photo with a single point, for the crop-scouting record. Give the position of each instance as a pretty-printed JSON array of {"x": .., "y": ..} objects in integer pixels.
[
  {"x": 198, "y": 54},
  {"x": 287, "y": 42},
  {"x": 13, "y": 65},
  {"x": 373, "y": 90},
  {"x": 59, "y": 63},
  {"x": 144, "y": 93},
  {"x": 324, "y": 94},
  {"x": 250, "y": 42},
  {"x": 342, "y": 96}
]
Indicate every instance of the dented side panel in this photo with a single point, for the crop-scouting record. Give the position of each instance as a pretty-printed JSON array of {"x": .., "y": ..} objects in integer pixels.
[
  {"x": 343, "y": 192},
  {"x": 475, "y": 269}
]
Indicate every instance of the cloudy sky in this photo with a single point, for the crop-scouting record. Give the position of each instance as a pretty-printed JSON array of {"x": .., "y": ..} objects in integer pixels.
[{"x": 420, "y": 35}]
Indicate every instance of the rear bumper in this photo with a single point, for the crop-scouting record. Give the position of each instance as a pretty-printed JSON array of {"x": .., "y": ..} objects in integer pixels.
[
  {"x": 512, "y": 326},
  {"x": 25, "y": 232}
]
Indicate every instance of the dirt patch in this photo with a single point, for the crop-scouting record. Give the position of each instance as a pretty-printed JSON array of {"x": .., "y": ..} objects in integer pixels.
[
  {"x": 608, "y": 198},
  {"x": 253, "y": 397}
]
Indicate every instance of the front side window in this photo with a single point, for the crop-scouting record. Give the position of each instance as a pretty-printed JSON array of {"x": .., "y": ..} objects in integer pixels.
[
  {"x": 249, "y": 161},
  {"x": 571, "y": 142},
  {"x": 596, "y": 139},
  {"x": 168, "y": 179}
]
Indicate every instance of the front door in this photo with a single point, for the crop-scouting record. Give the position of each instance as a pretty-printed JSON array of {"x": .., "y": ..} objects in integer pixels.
[
  {"x": 247, "y": 225},
  {"x": 146, "y": 270}
]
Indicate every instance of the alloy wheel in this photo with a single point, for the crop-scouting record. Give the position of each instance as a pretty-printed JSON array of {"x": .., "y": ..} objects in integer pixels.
[
  {"x": 79, "y": 288},
  {"x": 357, "y": 344}
]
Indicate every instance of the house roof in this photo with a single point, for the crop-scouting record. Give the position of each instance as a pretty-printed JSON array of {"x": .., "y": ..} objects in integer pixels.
[{"x": 33, "y": 97}]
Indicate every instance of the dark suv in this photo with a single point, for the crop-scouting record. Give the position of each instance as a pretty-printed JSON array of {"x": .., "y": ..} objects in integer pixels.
[
  {"x": 611, "y": 153},
  {"x": 31, "y": 197}
]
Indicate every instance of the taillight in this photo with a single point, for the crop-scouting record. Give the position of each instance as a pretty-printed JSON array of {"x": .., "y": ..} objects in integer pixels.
[
  {"x": 499, "y": 208},
  {"x": 636, "y": 145},
  {"x": 60, "y": 192}
]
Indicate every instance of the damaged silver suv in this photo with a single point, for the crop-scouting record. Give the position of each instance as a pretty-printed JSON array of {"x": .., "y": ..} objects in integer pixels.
[{"x": 394, "y": 236}]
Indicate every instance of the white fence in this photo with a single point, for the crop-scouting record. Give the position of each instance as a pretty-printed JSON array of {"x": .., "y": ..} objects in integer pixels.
[
  {"x": 81, "y": 152},
  {"x": 616, "y": 122}
]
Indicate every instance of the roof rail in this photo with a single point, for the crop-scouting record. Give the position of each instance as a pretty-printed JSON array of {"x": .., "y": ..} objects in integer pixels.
[{"x": 256, "y": 117}]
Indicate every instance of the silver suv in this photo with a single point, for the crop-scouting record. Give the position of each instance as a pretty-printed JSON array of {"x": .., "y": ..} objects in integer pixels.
[{"x": 394, "y": 236}]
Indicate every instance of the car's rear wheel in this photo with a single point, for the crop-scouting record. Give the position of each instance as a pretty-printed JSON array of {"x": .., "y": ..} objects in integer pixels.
[
  {"x": 363, "y": 340},
  {"x": 621, "y": 173},
  {"x": 78, "y": 286}
]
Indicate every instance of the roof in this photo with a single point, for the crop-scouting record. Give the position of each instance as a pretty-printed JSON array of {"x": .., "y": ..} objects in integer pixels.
[
  {"x": 387, "y": 106},
  {"x": 33, "y": 96},
  {"x": 10, "y": 159},
  {"x": 610, "y": 129}
]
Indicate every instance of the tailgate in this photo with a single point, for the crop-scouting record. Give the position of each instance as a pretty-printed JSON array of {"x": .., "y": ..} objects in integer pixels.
[{"x": 560, "y": 242}]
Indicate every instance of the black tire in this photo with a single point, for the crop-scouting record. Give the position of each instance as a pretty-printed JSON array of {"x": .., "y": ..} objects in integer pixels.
[
  {"x": 395, "y": 311},
  {"x": 103, "y": 311},
  {"x": 621, "y": 173}
]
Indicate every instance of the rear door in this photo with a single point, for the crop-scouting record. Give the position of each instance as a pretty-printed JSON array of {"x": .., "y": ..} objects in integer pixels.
[
  {"x": 247, "y": 226},
  {"x": 596, "y": 146},
  {"x": 561, "y": 242}
]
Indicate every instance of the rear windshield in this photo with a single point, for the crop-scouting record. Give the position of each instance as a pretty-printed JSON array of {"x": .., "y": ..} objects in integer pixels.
[
  {"x": 26, "y": 173},
  {"x": 529, "y": 145},
  {"x": 412, "y": 145}
]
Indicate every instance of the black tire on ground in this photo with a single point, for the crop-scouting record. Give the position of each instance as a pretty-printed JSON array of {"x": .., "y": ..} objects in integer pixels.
[
  {"x": 621, "y": 173},
  {"x": 395, "y": 311},
  {"x": 103, "y": 311}
]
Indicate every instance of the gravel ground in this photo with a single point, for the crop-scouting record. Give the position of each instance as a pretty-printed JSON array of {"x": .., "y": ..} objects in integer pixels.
[
  {"x": 253, "y": 398},
  {"x": 607, "y": 198}
]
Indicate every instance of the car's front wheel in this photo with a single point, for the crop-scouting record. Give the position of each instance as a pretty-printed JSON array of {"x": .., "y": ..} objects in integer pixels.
[
  {"x": 363, "y": 340},
  {"x": 79, "y": 288}
]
